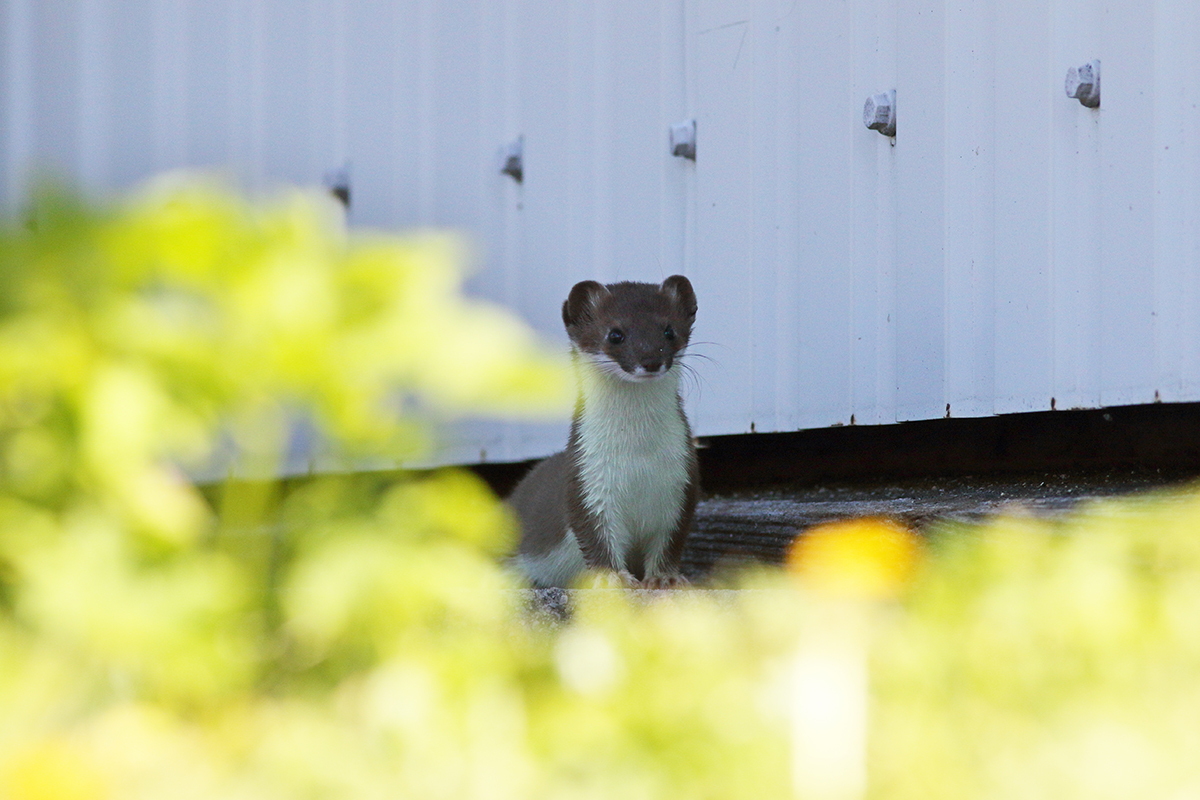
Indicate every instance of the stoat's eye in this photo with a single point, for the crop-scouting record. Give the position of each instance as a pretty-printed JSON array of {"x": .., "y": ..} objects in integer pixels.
[
  {"x": 615, "y": 336},
  {"x": 669, "y": 333}
]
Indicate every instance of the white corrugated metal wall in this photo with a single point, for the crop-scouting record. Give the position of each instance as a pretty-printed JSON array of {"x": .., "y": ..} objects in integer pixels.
[{"x": 1008, "y": 251}]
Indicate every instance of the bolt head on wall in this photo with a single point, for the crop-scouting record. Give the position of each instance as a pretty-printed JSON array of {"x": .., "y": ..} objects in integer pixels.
[
  {"x": 511, "y": 159},
  {"x": 879, "y": 113},
  {"x": 683, "y": 139},
  {"x": 337, "y": 182},
  {"x": 1083, "y": 83}
]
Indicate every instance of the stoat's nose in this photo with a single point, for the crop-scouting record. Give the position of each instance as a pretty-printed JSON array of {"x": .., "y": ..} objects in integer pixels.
[{"x": 652, "y": 367}]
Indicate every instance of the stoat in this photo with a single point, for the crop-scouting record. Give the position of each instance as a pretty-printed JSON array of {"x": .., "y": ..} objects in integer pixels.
[{"x": 622, "y": 496}]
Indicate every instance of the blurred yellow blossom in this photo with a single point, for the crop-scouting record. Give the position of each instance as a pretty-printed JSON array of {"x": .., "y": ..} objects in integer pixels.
[
  {"x": 867, "y": 557},
  {"x": 54, "y": 769}
]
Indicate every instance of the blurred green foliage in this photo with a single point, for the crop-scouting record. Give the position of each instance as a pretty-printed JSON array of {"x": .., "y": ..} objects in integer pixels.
[
  {"x": 345, "y": 636},
  {"x": 1048, "y": 659},
  {"x": 356, "y": 636}
]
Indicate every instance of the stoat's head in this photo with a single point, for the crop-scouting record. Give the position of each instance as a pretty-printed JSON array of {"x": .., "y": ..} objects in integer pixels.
[{"x": 633, "y": 331}]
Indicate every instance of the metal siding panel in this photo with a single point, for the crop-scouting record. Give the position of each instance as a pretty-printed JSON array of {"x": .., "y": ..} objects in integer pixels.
[
  {"x": 1077, "y": 242},
  {"x": 56, "y": 85},
  {"x": 210, "y": 120},
  {"x": 1127, "y": 205},
  {"x": 130, "y": 69},
  {"x": 423, "y": 145},
  {"x": 553, "y": 96},
  {"x": 676, "y": 176},
  {"x": 676, "y": 186},
  {"x": 1177, "y": 201},
  {"x": 16, "y": 100},
  {"x": 327, "y": 79},
  {"x": 497, "y": 195},
  {"x": 246, "y": 89},
  {"x": 970, "y": 221},
  {"x": 509, "y": 207},
  {"x": 1023, "y": 95},
  {"x": 560, "y": 79},
  {"x": 455, "y": 42},
  {"x": 562, "y": 58},
  {"x": 874, "y": 192},
  {"x": 633, "y": 126},
  {"x": 287, "y": 92},
  {"x": 920, "y": 220},
  {"x": 169, "y": 70},
  {"x": 484, "y": 440},
  {"x": 94, "y": 107},
  {"x": 789, "y": 392},
  {"x": 512, "y": 60},
  {"x": 724, "y": 215},
  {"x": 791, "y": 338},
  {"x": 381, "y": 96},
  {"x": 605, "y": 149},
  {"x": 821, "y": 296},
  {"x": 586, "y": 210},
  {"x": 761, "y": 51}
]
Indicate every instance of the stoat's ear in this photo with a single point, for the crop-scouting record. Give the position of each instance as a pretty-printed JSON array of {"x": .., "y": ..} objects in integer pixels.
[
  {"x": 580, "y": 305},
  {"x": 679, "y": 290}
]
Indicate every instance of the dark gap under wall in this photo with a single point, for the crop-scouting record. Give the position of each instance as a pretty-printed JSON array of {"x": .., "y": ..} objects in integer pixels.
[
  {"x": 762, "y": 490},
  {"x": 1163, "y": 436}
]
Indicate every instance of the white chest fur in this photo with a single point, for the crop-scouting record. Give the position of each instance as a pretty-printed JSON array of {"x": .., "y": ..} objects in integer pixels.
[{"x": 634, "y": 459}]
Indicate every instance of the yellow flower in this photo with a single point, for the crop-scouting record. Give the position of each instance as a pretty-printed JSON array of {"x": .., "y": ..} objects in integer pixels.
[{"x": 869, "y": 557}]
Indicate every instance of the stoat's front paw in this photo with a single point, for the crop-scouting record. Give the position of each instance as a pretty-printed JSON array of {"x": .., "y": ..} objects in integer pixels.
[
  {"x": 672, "y": 581},
  {"x": 606, "y": 579}
]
